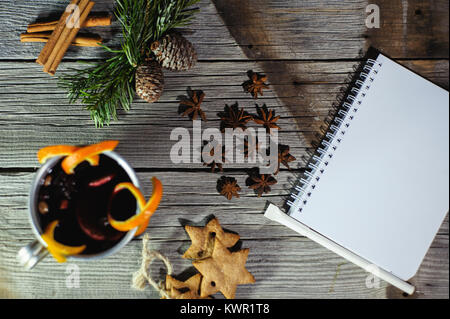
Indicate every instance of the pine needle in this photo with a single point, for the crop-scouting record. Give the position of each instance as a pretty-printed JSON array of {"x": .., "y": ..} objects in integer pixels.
[{"x": 109, "y": 85}]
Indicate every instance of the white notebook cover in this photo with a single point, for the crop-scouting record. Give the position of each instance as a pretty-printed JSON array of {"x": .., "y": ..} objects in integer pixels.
[{"x": 385, "y": 192}]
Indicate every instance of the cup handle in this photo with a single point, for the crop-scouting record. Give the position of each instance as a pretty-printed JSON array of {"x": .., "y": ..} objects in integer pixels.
[{"x": 30, "y": 255}]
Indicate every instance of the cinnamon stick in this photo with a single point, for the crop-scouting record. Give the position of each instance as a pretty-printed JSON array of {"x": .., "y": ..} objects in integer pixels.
[
  {"x": 97, "y": 21},
  {"x": 80, "y": 41},
  {"x": 48, "y": 48},
  {"x": 73, "y": 33},
  {"x": 72, "y": 21},
  {"x": 94, "y": 21}
]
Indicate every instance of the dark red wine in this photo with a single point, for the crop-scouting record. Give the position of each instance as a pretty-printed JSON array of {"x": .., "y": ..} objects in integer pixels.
[{"x": 80, "y": 202}]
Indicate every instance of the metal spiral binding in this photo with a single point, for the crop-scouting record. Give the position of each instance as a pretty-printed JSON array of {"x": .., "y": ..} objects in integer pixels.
[{"x": 339, "y": 121}]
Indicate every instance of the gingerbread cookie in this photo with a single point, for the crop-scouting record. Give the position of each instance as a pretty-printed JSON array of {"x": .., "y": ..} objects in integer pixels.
[
  {"x": 188, "y": 289},
  {"x": 203, "y": 239},
  {"x": 223, "y": 271}
]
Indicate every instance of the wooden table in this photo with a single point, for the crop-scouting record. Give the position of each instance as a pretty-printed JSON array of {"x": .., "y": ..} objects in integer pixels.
[{"x": 307, "y": 48}]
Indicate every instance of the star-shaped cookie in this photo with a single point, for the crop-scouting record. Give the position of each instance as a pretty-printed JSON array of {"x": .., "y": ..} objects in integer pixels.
[
  {"x": 223, "y": 271},
  {"x": 203, "y": 239},
  {"x": 175, "y": 287}
]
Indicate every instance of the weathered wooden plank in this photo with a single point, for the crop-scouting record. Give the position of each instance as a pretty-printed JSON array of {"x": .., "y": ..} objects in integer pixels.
[
  {"x": 198, "y": 187},
  {"x": 32, "y": 101},
  {"x": 336, "y": 29},
  {"x": 112, "y": 278},
  {"x": 436, "y": 266},
  {"x": 161, "y": 117},
  {"x": 211, "y": 38},
  {"x": 293, "y": 268},
  {"x": 333, "y": 30},
  {"x": 18, "y": 76},
  {"x": 310, "y": 93},
  {"x": 149, "y": 148},
  {"x": 304, "y": 29},
  {"x": 281, "y": 260},
  {"x": 412, "y": 28}
]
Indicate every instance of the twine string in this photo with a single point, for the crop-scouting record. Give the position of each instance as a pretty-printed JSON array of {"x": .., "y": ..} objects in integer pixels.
[{"x": 143, "y": 276}]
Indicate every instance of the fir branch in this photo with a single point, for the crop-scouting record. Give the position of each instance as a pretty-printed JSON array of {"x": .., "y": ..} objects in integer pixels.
[
  {"x": 169, "y": 14},
  {"x": 109, "y": 85},
  {"x": 103, "y": 88}
]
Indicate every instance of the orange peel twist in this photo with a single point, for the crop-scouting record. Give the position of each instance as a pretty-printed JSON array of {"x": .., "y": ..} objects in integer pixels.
[
  {"x": 147, "y": 209},
  {"x": 84, "y": 153},
  {"x": 56, "y": 249},
  {"x": 48, "y": 152}
]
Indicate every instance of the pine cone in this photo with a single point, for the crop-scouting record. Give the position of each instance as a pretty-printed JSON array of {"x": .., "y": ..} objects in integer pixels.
[
  {"x": 175, "y": 52},
  {"x": 149, "y": 81}
]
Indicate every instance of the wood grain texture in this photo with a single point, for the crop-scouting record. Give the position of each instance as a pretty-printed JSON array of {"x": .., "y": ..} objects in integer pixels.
[
  {"x": 280, "y": 259},
  {"x": 304, "y": 29},
  {"x": 332, "y": 29},
  {"x": 307, "y": 48},
  {"x": 211, "y": 38},
  {"x": 315, "y": 30},
  {"x": 29, "y": 100},
  {"x": 412, "y": 28}
]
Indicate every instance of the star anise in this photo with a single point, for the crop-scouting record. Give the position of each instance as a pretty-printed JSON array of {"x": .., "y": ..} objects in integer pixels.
[
  {"x": 284, "y": 157},
  {"x": 208, "y": 157},
  {"x": 233, "y": 117},
  {"x": 266, "y": 118},
  {"x": 228, "y": 187},
  {"x": 256, "y": 84},
  {"x": 261, "y": 183},
  {"x": 252, "y": 147},
  {"x": 193, "y": 106}
]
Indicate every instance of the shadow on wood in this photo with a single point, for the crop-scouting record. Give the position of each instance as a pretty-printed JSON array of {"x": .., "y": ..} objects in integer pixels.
[{"x": 252, "y": 26}]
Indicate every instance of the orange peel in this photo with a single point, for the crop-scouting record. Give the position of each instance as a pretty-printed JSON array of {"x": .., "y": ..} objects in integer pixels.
[
  {"x": 82, "y": 154},
  {"x": 147, "y": 209},
  {"x": 56, "y": 249},
  {"x": 48, "y": 152}
]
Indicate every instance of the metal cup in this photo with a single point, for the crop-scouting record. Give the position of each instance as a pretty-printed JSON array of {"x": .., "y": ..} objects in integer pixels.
[{"x": 33, "y": 253}]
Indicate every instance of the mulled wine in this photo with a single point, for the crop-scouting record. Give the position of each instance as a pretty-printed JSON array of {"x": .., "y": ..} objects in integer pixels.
[{"x": 81, "y": 202}]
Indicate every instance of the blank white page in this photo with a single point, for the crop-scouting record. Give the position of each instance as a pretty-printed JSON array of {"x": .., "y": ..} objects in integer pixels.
[{"x": 385, "y": 192}]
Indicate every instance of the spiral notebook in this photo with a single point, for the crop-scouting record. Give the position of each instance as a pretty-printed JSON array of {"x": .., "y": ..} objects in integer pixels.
[{"x": 378, "y": 185}]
